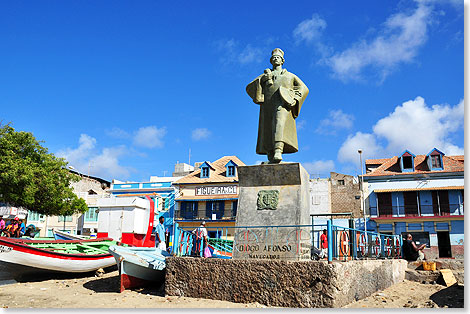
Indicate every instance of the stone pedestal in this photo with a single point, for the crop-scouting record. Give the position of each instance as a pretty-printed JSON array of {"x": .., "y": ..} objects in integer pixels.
[{"x": 273, "y": 196}]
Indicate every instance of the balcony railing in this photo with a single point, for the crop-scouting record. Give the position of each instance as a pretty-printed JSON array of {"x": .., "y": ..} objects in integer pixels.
[
  {"x": 418, "y": 211},
  {"x": 202, "y": 215}
]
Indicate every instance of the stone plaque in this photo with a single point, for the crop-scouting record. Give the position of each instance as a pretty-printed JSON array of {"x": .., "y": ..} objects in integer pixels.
[
  {"x": 268, "y": 199},
  {"x": 273, "y": 216}
]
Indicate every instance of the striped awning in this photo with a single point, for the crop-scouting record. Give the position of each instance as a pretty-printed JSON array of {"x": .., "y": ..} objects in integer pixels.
[{"x": 461, "y": 187}]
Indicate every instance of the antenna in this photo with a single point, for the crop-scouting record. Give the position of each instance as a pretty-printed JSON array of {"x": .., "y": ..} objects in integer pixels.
[
  {"x": 189, "y": 162},
  {"x": 90, "y": 165}
]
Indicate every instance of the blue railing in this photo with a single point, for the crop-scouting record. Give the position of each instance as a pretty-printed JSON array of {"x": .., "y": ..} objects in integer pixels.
[{"x": 343, "y": 243}]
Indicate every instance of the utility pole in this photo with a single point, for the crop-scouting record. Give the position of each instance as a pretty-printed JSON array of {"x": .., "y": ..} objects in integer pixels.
[{"x": 363, "y": 202}]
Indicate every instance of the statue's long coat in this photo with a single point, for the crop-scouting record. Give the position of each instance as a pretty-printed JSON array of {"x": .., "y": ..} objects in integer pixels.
[{"x": 269, "y": 99}]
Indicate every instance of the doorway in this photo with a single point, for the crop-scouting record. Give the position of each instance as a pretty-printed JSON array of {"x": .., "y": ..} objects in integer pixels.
[{"x": 443, "y": 242}]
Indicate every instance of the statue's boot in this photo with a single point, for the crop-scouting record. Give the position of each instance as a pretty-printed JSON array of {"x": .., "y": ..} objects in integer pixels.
[
  {"x": 278, "y": 147},
  {"x": 270, "y": 156}
]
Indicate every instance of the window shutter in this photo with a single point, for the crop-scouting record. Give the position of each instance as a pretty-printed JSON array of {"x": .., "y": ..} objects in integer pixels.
[
  {"x": 194, "y": 210},
  {"x": 209, "y": 209},
  {"x": 220, "y": 214},
  {"x": 183, "y": 210}
]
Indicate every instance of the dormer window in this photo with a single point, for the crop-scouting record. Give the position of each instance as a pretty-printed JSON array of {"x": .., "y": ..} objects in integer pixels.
[
  {"x": 230, "y": 169},
  {"x": 206, "y": 170},
  {"x": 407, "y": 162},
  {"x": 435, "y": 159}
]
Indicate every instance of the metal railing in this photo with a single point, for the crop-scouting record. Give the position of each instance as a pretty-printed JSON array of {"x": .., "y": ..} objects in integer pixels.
[
  {"x": 343, "y": 243},
  {"x": 417, "y": 211},
  {"x": 347, "y": 244}
]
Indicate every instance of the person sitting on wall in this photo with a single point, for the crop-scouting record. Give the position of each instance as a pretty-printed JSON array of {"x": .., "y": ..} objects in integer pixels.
[
  {"x": 411, "y": 252},
  {"x": 10, "y": 230},
  {"x": 30, "y": 231},
  {"x": 21, "y": 229},
  {"x": 2, "y": 225}
]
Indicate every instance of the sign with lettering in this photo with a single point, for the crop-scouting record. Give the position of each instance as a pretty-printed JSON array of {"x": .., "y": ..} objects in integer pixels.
[
  {"x": 216, "y": 190},
  {"x": 272, "y": 243}
]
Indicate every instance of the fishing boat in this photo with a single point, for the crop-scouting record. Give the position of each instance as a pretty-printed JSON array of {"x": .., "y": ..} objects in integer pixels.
[
  {"x": 60, "y": 235},
  {"x": 25, "y": 258},
  {"x": 139, "y": 266}
]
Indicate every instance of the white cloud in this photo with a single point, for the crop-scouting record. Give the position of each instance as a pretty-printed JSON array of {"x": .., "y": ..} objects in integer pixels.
[
  {"x": 87, "y": 160},
  {"x": 86, "y": 144},
  {"x": 200, "y": 134},
  {"x": 235, "y": 52},
  {"x": 310, "y": 29},
  {"x": 107, "y": 163},
  {"x": 117, "y": 133},
  {"x": 250, "y": 54},
  {"x": 416, "y": 126},
  {"x": 413, "y": 126},
  {"x": 348, "y": 152},
  {"x": 150, "y": 137},
  {"x": 336, "y": 120},
  {"x": 301, "y": 124},
  {"x": 398, "y": 42},
  {"x": 319, "y": 167}
]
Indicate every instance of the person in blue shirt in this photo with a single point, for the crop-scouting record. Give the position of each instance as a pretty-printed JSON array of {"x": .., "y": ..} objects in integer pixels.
[
  {"x": 160, "y": 234},
  {"x": 22, "y": 229}
]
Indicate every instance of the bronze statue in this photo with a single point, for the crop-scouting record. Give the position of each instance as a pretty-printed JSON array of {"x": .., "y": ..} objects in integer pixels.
[{"x": 280, "y": 95}]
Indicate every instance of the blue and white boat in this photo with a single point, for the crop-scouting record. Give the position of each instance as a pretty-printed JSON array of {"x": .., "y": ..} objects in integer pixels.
[
  {"x": 60, "y": 235},
  {"x": 139, "y": 266}
]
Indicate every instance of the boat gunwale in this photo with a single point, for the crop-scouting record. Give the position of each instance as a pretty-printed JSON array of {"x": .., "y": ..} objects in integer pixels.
[{"x": 57, "y": 254}]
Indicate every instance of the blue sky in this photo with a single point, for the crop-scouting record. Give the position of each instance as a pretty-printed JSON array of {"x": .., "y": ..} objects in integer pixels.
[{"x": 125, "y": 89}]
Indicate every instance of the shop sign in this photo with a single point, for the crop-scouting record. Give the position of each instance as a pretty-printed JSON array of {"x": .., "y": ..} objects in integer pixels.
[{"x": 216, "y": 190}]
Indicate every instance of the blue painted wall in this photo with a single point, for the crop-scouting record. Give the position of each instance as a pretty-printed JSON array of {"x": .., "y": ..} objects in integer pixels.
[
  {"x": 150, "y": 185},
  {"x": 400, "y": 227},
  {"x": 126, "y": 186}
]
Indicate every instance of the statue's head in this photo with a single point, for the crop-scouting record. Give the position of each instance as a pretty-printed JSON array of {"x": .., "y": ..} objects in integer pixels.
[{"x": 277, "y": 54}]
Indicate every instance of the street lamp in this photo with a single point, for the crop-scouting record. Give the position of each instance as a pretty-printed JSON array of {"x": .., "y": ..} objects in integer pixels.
[{"x": 363, "y": 203}]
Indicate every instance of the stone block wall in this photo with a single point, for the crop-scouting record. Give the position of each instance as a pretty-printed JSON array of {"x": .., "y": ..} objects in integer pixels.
[
  {"x": 344, "y": 190},
  {"x": 296, "y": 284}
]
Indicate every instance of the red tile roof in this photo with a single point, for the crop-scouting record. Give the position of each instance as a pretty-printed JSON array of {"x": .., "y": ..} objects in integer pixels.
[
  {"x": 216, "y": 176},
  {"x": 376, "y": 161},
  {"x": 391, "y": 166}
]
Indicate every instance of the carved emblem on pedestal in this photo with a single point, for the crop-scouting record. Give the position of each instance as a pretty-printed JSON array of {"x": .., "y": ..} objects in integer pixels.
[{"x": 268, "y": 199}]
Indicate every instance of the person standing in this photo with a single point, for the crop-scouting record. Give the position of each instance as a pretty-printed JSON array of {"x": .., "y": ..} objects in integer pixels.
[
  {"x": 324, "y": 244},
  {"x": 201, "y": 234},
  {"x": 160, "y": 234},
  {"x": 280, "y": 95}
]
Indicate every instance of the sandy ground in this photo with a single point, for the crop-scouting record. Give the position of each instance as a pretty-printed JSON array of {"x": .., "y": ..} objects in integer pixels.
[
  {"x": 98, "y": 292},
  {"x": 102, "y": 292},
  {"x": 414, "y": 295}
]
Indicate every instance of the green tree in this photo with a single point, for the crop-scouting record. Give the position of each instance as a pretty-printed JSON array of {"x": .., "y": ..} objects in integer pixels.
[{"x": 31, "y": 177}]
